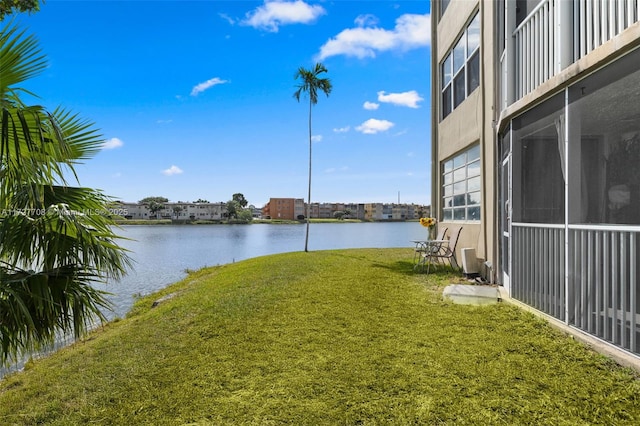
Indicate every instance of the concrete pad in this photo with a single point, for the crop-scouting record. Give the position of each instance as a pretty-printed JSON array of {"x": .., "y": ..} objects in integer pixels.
[{"x": 472, "y": 294}]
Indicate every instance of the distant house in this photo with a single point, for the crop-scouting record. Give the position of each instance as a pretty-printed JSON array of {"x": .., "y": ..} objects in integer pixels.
[{"x": 536, "y": 147}]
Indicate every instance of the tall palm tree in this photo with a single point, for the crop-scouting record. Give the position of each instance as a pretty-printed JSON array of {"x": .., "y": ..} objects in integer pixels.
[
  {"x": 311, "y": 83},
  {"x": 55, "y": 239}
]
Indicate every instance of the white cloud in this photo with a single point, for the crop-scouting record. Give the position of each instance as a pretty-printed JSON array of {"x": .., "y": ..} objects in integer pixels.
[
  {"x": 316, "y": 138},
  {"x": 367, "y": 20},
  {"x": 164, "y": 121},
  {"x": 409, "y": 99},
  {"x": 373, "y": 126},
  {"x": 112, "y": 143},
  {"x": 201, "y": 87},
  {"x": 272, "y": 14},
  {"x": 173, "y": 170},
  {"x": 227, "y": 18},
  {"x": 411, "y": 31},
  {"x": 370, "y": 105},
  {"x": 342, "y": 129}
]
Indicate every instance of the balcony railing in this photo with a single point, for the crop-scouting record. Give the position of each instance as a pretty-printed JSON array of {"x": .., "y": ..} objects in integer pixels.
[
  {"x": 603, "y": 284},
  {"x": 594, "y": 288},
  {"x": 539, "y": 267},
  {"x": 545, "y": 43},
  {"x": 536, "y": 47},
  {"x": 598, "y": 21}
]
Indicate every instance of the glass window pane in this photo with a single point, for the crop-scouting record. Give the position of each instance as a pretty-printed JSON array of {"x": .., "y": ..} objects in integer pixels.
[
  {"x": 460, "y": 187},
  {"x": 448, "y": 190},
  {"x": 446, "y": 70},
  {"x": 473, "y": 213},
  {"x": 459, "y": 214},
  {"x": 473, "y": 153},
  {"x": 448, "y": 166},
  {"x": 459, "y": 200},
  {"x": 460, "y": 160},
  {"x": 447, "y": 214},
  {"x": 473, "y": 35},
  {"x": 474, "y": 184},
  {"x": 448, "y": 202},
  {"x": 459, "y": 90},
  {"x": 448, "y": 178},
  {"x": 459, "y": 174},
  {"x": 473, "y": 169},
  {"x": 473, "y": 198},
  {"x": 458, "y": 56},
  {"x": 443, "y": 6},
  {"x": 446, "y": 102},
  {"x": 473, "y": 72}
]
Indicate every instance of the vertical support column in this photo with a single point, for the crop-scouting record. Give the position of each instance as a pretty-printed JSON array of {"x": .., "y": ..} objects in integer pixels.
[
  {"x": 565, "y": 146},
  {"x": 510, "y": 46}
]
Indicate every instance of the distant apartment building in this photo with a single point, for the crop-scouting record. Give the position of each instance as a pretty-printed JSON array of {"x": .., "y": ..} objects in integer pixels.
[
  {"x": 384, "y": 211},
  {"x": 284, "y": 208},
  {"x": 176, "y": 211},
  {"x": 278, "y": 208}
]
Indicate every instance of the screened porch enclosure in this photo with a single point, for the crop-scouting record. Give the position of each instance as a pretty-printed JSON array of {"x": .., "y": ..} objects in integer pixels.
[{"x": 576, "y": 204}]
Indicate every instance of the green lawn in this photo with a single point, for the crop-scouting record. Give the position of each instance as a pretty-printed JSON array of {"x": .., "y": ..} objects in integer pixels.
[{"x": 323, "y": 338}]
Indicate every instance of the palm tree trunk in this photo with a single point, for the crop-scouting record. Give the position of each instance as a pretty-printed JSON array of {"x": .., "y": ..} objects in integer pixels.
[{"x": 306, "y": 240}]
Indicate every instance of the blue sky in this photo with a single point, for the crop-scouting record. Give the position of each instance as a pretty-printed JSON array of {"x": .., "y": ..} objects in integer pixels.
[{"x": 195, "y": 98}]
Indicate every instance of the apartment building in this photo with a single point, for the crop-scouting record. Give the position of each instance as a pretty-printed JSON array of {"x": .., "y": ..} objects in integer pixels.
[
  {"x": 384, "y": 211},
  {"x": 284, "y": 208},
  {"x": 536, "y": 146},
  {"x": 176, "y": 211}
]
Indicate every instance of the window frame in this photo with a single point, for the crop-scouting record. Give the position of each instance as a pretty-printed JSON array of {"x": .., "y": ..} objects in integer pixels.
[
  {"x": 457, "y": 198},
  {"x": 450, "y": 98}
]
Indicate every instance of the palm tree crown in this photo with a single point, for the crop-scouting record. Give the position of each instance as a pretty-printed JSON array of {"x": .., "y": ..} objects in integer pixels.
[{"x": 311, "y": 84}]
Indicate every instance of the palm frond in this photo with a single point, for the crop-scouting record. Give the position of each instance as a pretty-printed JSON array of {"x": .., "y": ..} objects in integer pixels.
[
  {"x": 20, "y": 60},
  {"x": 55, "y": 240}
]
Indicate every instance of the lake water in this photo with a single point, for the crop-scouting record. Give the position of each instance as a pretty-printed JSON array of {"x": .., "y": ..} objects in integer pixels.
[{"x": 162, "y": 254}]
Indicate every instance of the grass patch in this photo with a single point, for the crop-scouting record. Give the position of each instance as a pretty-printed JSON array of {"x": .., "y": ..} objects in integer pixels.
[{"x": 328, "y": 337}]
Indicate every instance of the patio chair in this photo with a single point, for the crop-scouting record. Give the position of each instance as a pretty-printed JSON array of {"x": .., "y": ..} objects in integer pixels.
[
  {"x": 448, "y": 251},
  {"x": 421, "y": 253}
]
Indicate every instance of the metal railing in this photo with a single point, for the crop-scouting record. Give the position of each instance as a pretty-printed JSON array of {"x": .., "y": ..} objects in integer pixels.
[
  {"x": 539, "y": 267},
  {"x": 594, "y": 287},
  {"x": 535, "y": 47},
  {"x": 598, "y": 21},
  {"x": 539, "y": 39},
  {"x": 603, "y": 283}
]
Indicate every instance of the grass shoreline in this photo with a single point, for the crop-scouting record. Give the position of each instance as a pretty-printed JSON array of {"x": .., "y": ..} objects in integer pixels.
[{"x": 327, "y": 337}]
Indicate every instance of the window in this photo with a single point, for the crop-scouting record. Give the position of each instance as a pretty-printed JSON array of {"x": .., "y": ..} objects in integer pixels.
[
  {"x": 460, "y": 70},
  {"x": 461, "y": 186},
  {"x": 443, "y": 6}
]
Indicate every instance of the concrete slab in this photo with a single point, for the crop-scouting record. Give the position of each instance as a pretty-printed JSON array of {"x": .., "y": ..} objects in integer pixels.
[{"x": 466, "y": 294}]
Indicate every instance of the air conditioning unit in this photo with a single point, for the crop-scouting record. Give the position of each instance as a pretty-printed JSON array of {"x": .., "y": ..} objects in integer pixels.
[{"x": 469, "y": 262}]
